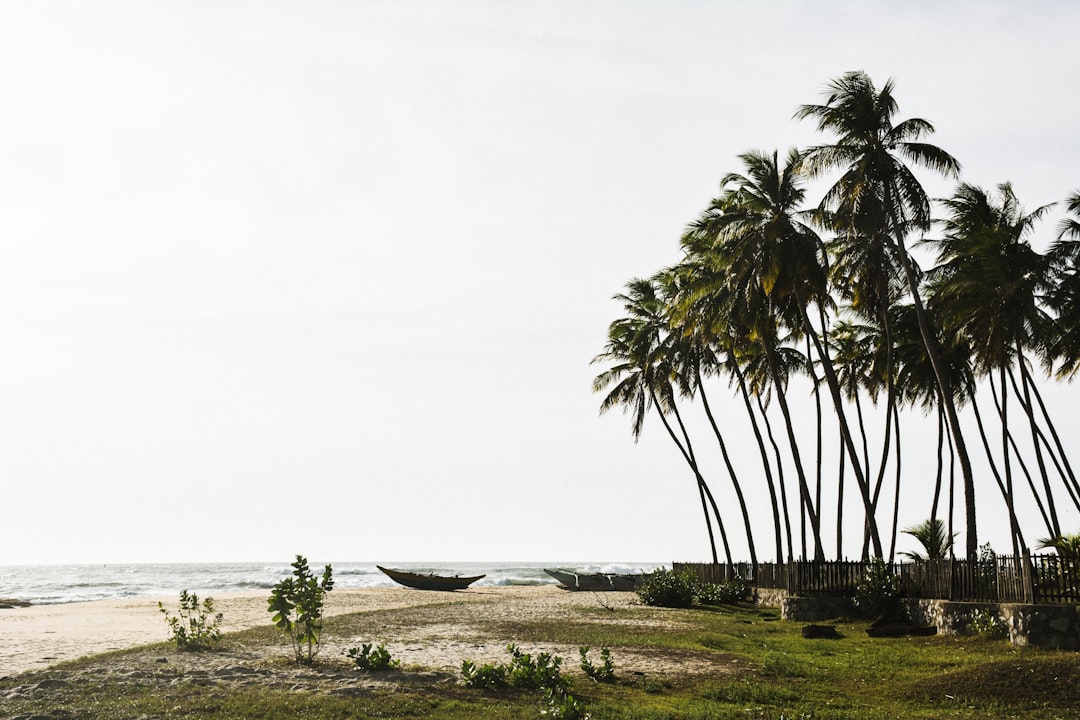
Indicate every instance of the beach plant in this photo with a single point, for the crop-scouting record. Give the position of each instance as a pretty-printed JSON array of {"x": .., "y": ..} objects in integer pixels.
[
  {"x": 878, "y": 590},
  {"x": 297, "y": 604},
  {"x": 987, "y": 624},
  {"x": 728, "y": 592},
  {"x": 195, "y": 626},
  {"x": 606, "y": 670},
  {"x": 371, "y": 659},
  {"x": 668, "y": 588},
  {"x": 488, "y": 676}
]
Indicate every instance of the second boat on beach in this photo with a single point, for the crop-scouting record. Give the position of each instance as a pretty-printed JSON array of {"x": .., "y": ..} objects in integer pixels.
[{"x": 597, "y": 582}]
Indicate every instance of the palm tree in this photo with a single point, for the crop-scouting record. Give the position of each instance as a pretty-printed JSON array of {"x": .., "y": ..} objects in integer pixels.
[
  {"x": 641, "y": 378},
  {"x": 988, "y": 282},
  {"x": 932, "y": 536},
  {"x": 877, "y": 184},
  {"x": 774, "y": 267}
]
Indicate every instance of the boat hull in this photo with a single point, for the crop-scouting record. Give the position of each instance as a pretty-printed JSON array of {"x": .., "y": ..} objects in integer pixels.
[
  {"x": 594, "y": 582},
  {"x": 419, "y": 581}
]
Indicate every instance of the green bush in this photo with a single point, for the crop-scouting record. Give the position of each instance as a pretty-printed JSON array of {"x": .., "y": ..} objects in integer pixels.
[
  {"x": 297, "y": 604},
  {"x": 725, "y": 593},
  {"x": 668, "y": 588},
  {"x": 372, "y": 660},
  {"x": 196, "y": 625},
  {"x": 878, "y": 591},
  {"x": 987, "y": 623},
  {"x": 534, "y": 673}
]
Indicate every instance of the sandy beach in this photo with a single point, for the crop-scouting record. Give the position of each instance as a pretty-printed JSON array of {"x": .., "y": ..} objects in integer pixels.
[{"x": 430, "y": 630}]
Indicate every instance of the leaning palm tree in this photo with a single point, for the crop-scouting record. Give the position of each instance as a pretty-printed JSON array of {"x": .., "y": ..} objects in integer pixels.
[
  {"x": 876, "y": 182},
  {"x": 640, "y": 378},
  {"x": 989, "y": 281}
]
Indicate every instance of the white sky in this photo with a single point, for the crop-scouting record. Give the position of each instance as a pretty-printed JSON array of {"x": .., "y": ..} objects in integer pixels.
[{"x": 326, "y": 277}]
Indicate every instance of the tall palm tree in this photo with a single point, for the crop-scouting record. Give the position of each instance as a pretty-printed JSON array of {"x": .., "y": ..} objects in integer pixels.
[
  {"x": 775, "y": 267},
  {"x": 871, "y": 150},
  {"x": 641, "y": 378},
  {"x": 989, "y": 281}
]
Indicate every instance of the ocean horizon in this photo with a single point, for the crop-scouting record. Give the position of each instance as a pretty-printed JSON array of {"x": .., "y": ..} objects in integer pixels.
[{"x": 67, "y": 583}]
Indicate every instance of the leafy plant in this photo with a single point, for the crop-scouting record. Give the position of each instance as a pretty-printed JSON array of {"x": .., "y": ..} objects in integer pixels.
[
  {"x": 561, "y": 705},
  {"x": 486, "y": 677},
  {"x": 297, "y": 604},
  {"x": 725, "y": 593},
  {"x": 604, "y": 673},
  {"x": 668, "y": 588},
  {"x": 196, "y": 625},
  {"x": 987, "y": 623},
  {"x": 934, "y": 538},
  {"x": 542, "y": 672},
  {"x": 372, "y": 660},
  {"x": 878, "y": 590}
]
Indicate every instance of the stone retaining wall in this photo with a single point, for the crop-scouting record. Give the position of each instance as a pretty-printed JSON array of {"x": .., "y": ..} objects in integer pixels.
[{"x": 1043, "y": 626}]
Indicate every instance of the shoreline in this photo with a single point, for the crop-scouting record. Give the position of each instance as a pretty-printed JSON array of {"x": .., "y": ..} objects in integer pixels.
[{"x": 40, "y": 636}]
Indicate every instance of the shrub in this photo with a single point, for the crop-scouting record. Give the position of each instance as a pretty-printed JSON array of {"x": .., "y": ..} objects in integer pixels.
[
  {"x": 524, "y": 671},
  {"x": 878, "y": 590},
  {"x": 297, "y": 604},
  {"x": 604, "y": 673},
  {"x": 725, "y": 593},
  {"x": 986, "y": 623},
  {"x": 668, "y": 588},
  {"x": 372, "y": 660},
  {"x": 196, "y": 625}
]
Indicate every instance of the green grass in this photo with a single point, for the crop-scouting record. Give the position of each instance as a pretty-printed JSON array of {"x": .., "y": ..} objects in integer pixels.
[{"x": 776, "y": 674}]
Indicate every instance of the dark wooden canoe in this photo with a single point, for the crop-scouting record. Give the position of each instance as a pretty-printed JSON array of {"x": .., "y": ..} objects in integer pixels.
[{"x": 429, "y": 581}]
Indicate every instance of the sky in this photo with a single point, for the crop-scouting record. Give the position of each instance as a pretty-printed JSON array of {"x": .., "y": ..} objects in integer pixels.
[{"x": 327, "y": 277}]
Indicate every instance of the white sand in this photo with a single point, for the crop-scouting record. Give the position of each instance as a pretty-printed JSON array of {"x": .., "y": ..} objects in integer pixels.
[{"x": 34, "y": 638}]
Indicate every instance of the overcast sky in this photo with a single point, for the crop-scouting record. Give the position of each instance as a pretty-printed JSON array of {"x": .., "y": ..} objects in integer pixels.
[{"x": 327, "y": 277}]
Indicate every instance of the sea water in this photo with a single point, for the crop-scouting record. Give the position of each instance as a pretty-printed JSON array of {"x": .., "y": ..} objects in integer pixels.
[{"x": 50, "y": 584}]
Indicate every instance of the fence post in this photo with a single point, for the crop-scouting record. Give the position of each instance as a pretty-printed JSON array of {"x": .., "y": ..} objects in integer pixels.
[{"x": 1028, "y": 578}]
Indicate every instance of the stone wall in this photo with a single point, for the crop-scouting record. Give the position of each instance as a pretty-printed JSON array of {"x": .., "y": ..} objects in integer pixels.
[{"x": 1042, "y": 626}]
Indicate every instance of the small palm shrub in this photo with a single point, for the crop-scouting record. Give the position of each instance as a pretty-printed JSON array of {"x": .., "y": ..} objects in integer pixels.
[
  {"x": 668, "y": 588},
  {"x": 195, "y": 626}
]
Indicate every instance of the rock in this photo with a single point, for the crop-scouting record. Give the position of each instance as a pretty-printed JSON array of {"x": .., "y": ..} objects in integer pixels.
[{"x": 820, "y": 632}]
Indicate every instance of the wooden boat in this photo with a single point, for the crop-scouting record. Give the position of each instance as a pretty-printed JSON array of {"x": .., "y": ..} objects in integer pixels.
[
  {"x": 595, "y": 582},
  {"x": 429, "y": 581}
]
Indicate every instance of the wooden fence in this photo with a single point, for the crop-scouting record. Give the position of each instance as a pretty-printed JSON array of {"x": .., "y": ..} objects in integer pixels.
[{"x": 1027, "y": 579}]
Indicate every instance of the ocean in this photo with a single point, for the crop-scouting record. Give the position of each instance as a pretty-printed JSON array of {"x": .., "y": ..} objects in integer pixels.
[{"x": 51, "y": 584}]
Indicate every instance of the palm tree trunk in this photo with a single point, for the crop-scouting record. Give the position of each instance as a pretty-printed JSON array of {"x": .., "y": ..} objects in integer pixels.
[
  {"x": 1057, "y": 440},
  {"x": 804, "y": 490},
  {"x": 896, "y": 497},
  {"x": 1029, "y": 411},
  {"x": 765, "y": 464},
  {"x": 689, "y": 458},
  {"x": 1005, "y": 488},
  {"x": 940, "y": 463},
  {"x": 930, "y": 341},
  {"x": 731, "y": 470},
  {"x": 845, "y": 431},
  {"x": 1025, "y": 404},
  {"x": 1008, "y": 442},
  {"x": 780, "y": 479}
]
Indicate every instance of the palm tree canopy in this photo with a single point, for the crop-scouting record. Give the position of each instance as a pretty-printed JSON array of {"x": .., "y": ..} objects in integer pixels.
[
  {"x": 876, "y": 184},
  {"x": 932, "y": 535}
]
